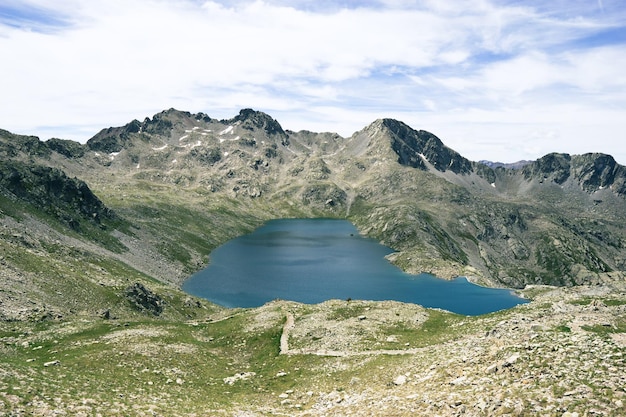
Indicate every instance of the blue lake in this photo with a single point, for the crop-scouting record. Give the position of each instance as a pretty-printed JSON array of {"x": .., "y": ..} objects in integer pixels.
[{"x": 314, "y": 260}]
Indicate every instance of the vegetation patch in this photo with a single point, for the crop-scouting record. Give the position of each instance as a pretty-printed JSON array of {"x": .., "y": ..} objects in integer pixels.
[{"x": 607, "y": 328}]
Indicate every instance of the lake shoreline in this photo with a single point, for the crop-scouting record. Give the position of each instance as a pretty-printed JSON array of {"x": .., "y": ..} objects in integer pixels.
[{"x": 313, "y": 260}]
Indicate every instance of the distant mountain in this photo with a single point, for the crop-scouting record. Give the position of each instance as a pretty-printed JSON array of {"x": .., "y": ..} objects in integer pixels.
[
  {"x": 512, "y": 165},
  {"x": 592, "y": 172},
  {"x": 160, "y": 194}
]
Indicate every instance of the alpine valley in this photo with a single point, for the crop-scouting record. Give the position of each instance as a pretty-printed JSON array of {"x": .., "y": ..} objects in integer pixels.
[{"x": 96, "y": 239}]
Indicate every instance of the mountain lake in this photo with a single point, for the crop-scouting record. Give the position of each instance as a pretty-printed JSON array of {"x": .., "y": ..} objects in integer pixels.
[{"x": 314, "y": 260}]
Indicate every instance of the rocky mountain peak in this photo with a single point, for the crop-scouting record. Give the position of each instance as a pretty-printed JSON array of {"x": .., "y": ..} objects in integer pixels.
[
  {"x": 421, "y": 149},
  {"x": 554, "y": 166},
  {"x": 591, "y": 171},
  {"x": 397, "y": 127},
  {"x": 598, "y": 171},
  {"x": 506, "y": 165},
  {"x": 161, "y": 126},
  {"x": 113, "y": 139},
  {"x": 251, "y": 119}
]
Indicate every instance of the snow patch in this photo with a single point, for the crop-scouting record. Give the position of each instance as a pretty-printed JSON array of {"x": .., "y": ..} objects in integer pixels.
[
  {"x": 192, "y": 145},
  {"x": 195, "y": 128},
  {"x": 138, "y": 166},
  {"x": 236, "y": 138},
  {"x": 174, "y": 161},
  {"x": 493, "y": 184},
  {"x": 229, "y": 129},
  {"x": 182, "y": 138},
  {"x": 225, "y": 153},
  {"x": 222, "y": 140},
  {"x": 161, "y": 148}
]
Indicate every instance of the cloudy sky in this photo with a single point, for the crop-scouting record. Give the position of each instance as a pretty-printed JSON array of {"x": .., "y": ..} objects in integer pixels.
[{"x": 494, "y": 79}]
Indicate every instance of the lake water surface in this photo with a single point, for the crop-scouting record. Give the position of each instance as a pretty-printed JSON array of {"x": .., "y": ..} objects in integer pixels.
[{"x": 314, "y": 260}]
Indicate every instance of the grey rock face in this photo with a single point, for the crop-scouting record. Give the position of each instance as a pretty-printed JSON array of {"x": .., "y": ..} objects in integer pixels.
[
  {"x": 417, "y": 148},
  {"x": 144, "y": 299}
]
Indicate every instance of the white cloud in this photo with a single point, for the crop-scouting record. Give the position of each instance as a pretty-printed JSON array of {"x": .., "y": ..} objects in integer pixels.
[{"x": 455, "y": 68}]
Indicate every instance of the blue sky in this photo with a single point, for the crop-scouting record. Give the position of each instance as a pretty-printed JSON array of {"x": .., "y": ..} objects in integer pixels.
[{"x": 499, "y": 80}]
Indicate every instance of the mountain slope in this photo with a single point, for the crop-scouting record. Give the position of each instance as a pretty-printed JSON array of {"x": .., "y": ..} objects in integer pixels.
[
  {"x": 96, "y": 237},
  {"x": 175, "y": 186}
]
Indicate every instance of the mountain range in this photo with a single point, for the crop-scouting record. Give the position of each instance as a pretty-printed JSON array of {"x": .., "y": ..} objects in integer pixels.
[
  {"x": 96, "y": 238},
  {"x": 178, "y": 184}
]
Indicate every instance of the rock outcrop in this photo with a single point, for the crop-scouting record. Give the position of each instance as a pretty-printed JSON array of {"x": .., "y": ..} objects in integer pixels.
[
  {"x": 419, "y": 148},
  {"x": 50, "y": 190},
  {"x": 144, "y": 299}
]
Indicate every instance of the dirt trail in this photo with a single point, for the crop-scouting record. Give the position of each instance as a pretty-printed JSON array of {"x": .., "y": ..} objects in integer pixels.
[{"x": 284, "y": 337}]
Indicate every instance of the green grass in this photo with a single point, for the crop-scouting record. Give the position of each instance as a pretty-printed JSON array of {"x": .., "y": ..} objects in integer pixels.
[
  {"x": 609, "y": 302},
  {"x": 11, "y": 208},
  {"x": 581, "y": 301},
  {"x": 181, "y": 365},
  {"x": 184, "y": 225},
  {"x": 605, "y": 330},
  {"x": 563, "y": 329},
  {"x": 178, "y": 367},
  {"x": 441, "y": 326},
  {"x": 348, "y": 311}
]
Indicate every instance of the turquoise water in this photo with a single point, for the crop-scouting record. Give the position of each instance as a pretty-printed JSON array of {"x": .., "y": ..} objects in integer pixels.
[{"x": 313, "y": 260}]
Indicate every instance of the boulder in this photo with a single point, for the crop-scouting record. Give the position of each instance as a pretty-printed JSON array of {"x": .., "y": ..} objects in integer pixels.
[{"x": 144, "y": 299}]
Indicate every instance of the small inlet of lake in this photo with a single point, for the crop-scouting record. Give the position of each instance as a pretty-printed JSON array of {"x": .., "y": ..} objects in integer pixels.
[{"x": 314, "y": 260}]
